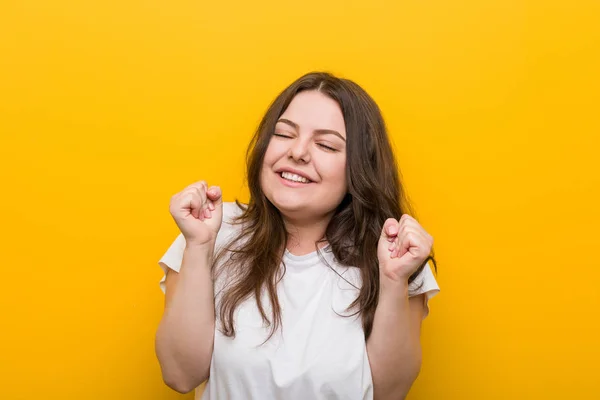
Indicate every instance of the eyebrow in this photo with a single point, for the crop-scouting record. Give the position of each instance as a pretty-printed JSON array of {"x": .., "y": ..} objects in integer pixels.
[{"x": 316, "y": 131}]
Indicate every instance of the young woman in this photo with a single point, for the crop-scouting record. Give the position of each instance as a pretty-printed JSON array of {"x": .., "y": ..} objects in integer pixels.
[{"x": 317, "y": 287}]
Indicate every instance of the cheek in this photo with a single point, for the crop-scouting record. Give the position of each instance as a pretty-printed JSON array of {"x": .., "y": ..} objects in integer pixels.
[
  {"x": 269, "y": 160},
  {"x": 335, "y": 172},
  {"x": 272, "y": 154}
]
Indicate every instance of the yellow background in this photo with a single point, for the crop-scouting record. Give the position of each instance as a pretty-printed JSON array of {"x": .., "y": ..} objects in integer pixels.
[{"x": 107, "y": 108}]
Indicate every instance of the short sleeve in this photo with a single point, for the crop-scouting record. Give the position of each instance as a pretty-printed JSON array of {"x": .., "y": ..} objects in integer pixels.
[
  {"x": 173, "y": 257},
  {"x": 424, "y": 283}
]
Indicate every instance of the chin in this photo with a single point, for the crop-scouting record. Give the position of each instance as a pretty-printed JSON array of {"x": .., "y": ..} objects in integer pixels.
[{"x": 287, "y": 204}]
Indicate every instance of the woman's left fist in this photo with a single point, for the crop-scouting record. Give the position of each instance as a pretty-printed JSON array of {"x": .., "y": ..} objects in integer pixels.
[{"x": 403, "y": 247}]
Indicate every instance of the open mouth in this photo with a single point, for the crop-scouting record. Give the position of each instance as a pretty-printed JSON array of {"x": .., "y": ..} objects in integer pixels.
[{"x": 288, "y": 176}]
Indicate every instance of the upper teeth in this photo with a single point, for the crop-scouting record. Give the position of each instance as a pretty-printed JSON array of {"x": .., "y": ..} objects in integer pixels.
[{"x": 294, "y": 177}]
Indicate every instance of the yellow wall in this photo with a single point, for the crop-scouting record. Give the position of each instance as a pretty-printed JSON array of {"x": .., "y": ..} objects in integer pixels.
[{"x": 109, "y": 107}]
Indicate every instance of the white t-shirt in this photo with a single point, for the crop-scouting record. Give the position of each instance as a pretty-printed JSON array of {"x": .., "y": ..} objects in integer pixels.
[{"x": 316, "y": 354}]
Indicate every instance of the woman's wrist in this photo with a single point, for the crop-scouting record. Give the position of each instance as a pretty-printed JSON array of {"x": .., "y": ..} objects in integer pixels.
[
  {"x": 394, "y": 289},
  {"x": 200, "y": 252}
]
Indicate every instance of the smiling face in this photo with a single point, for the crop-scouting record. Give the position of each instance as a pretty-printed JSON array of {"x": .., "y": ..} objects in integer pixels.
[{"x": 304, "y": 168}]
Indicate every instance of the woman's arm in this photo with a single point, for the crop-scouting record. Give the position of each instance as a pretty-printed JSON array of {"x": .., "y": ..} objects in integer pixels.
[
  {"x": 394, "y": 347},
  {"x": 185, "y": 336}
]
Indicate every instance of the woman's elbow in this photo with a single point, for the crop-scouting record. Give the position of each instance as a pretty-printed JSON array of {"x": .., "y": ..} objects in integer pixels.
[
  {"x": 178, "y": 386},
  {"x": 397, "y": 385},
  {"x": 182, "y": 384},
  {"x": 405, "y": 383}
]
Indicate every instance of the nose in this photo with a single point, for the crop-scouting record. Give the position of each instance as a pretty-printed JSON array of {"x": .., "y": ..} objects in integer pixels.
[{"x": 299, "y": 151}]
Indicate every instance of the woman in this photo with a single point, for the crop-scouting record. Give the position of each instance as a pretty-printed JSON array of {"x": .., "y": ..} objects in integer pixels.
[{"x": 314, "y": 289}]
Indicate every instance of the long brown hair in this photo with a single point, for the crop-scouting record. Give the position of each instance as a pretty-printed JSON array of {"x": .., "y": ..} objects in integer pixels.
[{"x": 374, "y": 194}]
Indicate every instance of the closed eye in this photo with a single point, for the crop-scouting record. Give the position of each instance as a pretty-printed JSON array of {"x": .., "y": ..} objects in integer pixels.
[
  {"x": 326, "y": 147},
  {"x": 283, "y": 136}
]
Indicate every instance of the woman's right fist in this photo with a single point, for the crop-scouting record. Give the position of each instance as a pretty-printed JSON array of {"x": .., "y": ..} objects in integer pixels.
[{"x": 198, "y": 212}]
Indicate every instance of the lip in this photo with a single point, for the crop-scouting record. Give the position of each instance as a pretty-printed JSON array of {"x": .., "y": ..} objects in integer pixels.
[
  {"x": 292, "y": 184},
  {"x": 294, "y": 171}
]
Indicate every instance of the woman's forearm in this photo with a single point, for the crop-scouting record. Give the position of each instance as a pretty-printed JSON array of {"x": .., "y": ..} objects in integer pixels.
[
  {"x": 394, "y": 347},
  {"x": 184, "y": 338}
]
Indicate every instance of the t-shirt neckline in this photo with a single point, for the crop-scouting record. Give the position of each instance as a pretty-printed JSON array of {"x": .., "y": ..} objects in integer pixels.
[{"x": 305, "y": 258}]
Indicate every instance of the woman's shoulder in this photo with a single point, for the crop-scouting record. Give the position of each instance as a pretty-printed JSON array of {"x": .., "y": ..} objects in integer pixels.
[
  {"x": 230, "y": 226},
  {"x": 231, "y": 210}
]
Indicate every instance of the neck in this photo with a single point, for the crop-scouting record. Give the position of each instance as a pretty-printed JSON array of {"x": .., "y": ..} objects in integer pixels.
[{"x": 303, "y": 234}]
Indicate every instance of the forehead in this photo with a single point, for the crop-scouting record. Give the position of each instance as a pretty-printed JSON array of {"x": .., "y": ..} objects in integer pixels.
[{"x": 313, "y": 110}]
